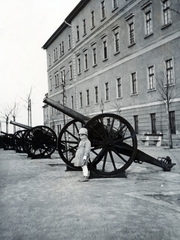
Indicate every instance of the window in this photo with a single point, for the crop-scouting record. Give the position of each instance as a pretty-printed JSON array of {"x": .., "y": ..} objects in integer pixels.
[
  {"x": 94, "y": 55},
  {"x": 80, "y": 100},
  {"x": 92, "y": 20},
  {"x": 134, "y": 83},
  {"x": 77, "y": 33},
  {"x": 84, "y": 26},
  {"x": 96, "y": 94},
  {"x": 105, "y": 54},
  {"x": 50, "y": 83},
  {"x": 153, "y": 123},
  {"x": 70, "y": 71},
  {"x": 172, "y": 122},
  {"x": 85, "y": 61},
  {"x": 131, "y": 33},
  {"x": 114, "y": 4},
  {"x": 169, "y": 72},
  {"x": 107, "y": 91},
  {"x": 136, "y": 124},
  {"x": 130, "y": 22},
  {"x": 79, "y": 65},
  {"x": 116, "y": 40},
  {"x": 148, "y": 23},
  {"x": 56, "y": 77},
  {"x": 103, "y": 10},
  {"x": 69, "y": 41},
  {"x": 61, "y": 48},
  {"x": 49, "y": 60},
  {"x": 119, "y": 88},
  {"x": 151, "y": 80},
  {"x": 87, "y": 97},
  {"x": 166, "y": 12},
  {"x": 63, "y": 77},
  {"x": 147, "y": 7},
  {"x": 55, "y": 54}
]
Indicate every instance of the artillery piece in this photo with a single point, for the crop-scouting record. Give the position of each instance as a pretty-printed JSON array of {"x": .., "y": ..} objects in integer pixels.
[
  {"x": 7, "y": 141},
  {"x": 113, "y": 142},
  {"x": 37, "y": 142}
]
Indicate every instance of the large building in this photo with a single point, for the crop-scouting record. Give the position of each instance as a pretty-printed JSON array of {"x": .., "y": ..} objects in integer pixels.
[{"x": 120, "y": 56}]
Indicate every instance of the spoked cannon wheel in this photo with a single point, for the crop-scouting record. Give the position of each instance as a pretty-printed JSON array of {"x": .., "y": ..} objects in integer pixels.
[
  {"x": 40, "y": 142},
  {"x": 68, "y": 141},
  {"x": 19, "y": 140},
  {"x": 114, "y": 144}
]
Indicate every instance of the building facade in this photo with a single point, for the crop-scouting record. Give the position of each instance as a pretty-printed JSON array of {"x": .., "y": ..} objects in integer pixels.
[{"x": 119, "y": 56}]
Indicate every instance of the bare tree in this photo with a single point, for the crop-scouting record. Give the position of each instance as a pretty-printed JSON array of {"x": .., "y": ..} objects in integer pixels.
[
  {"x": 29, "y": 109},
  {"x": 117, "y": 105},
  {"x": 7, "y": 111},
  {"x": 15, "y": 112},
  {"x": 167, "y": 93}
]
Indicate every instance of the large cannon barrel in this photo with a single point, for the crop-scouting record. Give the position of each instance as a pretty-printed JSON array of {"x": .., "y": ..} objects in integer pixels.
[
  {"x": 4, "y": 133},
  {"x": 21, "y": 125},
  {"x": 68, "y": 111}
]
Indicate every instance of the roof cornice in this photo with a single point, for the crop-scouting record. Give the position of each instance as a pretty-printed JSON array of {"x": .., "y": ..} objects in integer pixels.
[{"x": 66, "y": 22}]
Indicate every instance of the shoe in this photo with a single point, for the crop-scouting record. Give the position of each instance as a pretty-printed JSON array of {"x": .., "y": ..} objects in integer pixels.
[{"x": 84, "y": 179}]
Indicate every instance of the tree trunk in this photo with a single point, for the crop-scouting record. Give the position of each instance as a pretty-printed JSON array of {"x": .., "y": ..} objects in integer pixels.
[
  {"x": 7, "y": 120},
  {"x": 169, "y": 127}
]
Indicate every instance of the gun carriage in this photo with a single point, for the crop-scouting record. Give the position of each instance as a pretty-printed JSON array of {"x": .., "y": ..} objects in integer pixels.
[
  {"x": 37, "y": 142},
  {"x": 113, "y": 141},
  {"x": 7, "y": 141}
]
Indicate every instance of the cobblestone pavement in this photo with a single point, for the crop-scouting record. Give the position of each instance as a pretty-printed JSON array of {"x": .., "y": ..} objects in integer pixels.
[{"x": 40, "y": 200}]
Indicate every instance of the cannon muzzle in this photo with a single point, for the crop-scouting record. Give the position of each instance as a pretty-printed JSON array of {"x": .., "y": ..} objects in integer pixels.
[
  {"x": 21, "y": 125},
  {"x": 68, "y": 111}
]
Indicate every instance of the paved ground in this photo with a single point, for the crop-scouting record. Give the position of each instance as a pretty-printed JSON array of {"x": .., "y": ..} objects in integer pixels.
[{"x": 38, "y": 201}]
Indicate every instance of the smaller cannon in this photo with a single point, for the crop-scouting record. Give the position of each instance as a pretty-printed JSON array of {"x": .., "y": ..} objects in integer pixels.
[
  {"x": 37, "y": 142},
  {"x": 7, "y": 141},
  {"x": 113, "y": 141}
]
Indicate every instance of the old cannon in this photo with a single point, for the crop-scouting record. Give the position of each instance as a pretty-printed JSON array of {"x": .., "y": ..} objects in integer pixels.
[
  {"x": 7, "y": 141},
  {"x": 37, "y": 142},
  {"x": 113, "y": 141}
]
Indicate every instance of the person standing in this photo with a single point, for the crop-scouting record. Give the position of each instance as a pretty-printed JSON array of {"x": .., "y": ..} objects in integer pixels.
[{"x": 82, "y": 155}]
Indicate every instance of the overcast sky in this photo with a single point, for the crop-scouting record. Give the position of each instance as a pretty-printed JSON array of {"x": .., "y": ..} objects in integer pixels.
[{"x": 25, "y": 25}]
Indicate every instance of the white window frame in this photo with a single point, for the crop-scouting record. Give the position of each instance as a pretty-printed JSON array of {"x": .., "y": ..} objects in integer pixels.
[
  {"x": 56, "y": 79},
  {"x": 70, "y": 71},
  {"x": 117, "y": 87},
  {"x": 114, "y": 4},
  {"x": 103, "y": 10},
  {"x": 131, "y": 20},
  {"x": 147, "y": 8},
  {"x": 131, "y": 83},
  {"x": 104, "y": 47},
  {"x": 107, "y": 92},
  {"x": 151, "y": 75},
  {"x": 79, "y": 66},
  {"x": 94, "y": 54},
  {"x": 166, "y": 11},
  {"x": 62, "y": 73},
  {"x": 85, "y": 60},
  {"x": 92, "y": 19},
  {"x": 116, "y": 39},
  {"x": 172, "y": 82}
]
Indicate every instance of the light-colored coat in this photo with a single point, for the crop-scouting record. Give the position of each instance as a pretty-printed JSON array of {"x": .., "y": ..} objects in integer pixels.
[{"x": 84, "y": 149}]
